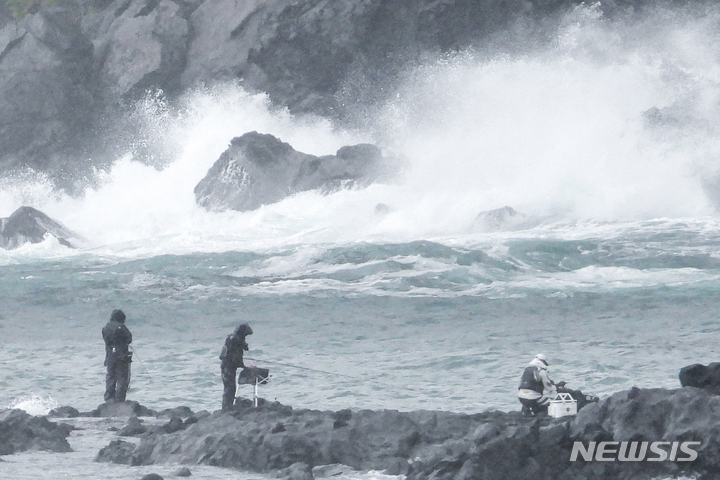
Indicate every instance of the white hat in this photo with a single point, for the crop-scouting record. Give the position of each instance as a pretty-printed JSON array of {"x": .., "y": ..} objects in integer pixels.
[{"x": 542, "y": 358}]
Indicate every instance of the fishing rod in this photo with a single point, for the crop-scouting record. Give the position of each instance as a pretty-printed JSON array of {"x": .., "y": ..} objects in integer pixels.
[
  {"x": 141, "y": 362},
  {"x": 304, "y": 368},
  {"x": 364, "y": 380}
]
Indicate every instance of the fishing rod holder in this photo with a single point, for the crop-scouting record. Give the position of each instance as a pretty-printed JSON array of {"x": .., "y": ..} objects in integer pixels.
[{"x": 254, "y": 376}]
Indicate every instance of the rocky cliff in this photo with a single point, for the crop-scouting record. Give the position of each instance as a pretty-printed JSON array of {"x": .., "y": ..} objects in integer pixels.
[{"x": 69, "y": 68}]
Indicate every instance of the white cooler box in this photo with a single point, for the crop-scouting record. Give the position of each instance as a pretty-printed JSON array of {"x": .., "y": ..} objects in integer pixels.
[{"x": 562, "y": 405}]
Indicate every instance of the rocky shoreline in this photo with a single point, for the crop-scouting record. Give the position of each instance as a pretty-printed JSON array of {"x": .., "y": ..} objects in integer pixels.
[{"x": 278, "y": 440}]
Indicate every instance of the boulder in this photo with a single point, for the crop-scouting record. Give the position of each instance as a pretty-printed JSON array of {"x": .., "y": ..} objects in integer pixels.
[
  {"x": 182, "y": 472},
  {"x": 64, "y": 412},
  {"x": 20, "y": 431},
  {"x": 133, "y": 428},
  {"x": 28, "y": 225},
  {"x": 260, "y": 169},
  {"x": 118, "y": 451},
  {"x": 701, "y": 376},
  {"x": 498, "y": 219},
  {"x": 152, "y": 476},
  {"x": 128, "y": 408},
  {"x": 182, "y": 412}
]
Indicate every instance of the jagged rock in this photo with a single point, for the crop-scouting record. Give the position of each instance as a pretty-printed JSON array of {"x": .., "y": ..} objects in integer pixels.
[
  {"x": 118, "y": 451},
  {"x": 20, "y": 431},
  {"x": 498, "y": 219},
  {"x": 28, "y": 225},
  {"x": 64, "y": 412},
  {"x": 332, "y": 470},
  {"x": 139, "y": 44},
  {"x": 175, "y": 424},
  {"x": 445, "y": 445},
  {"x": 182, "y": 472},
  {"x": 46, "y": 88},
  {"x": 260, "y": 169},
  {"x": 182, "y": 412},
  {"x": 127, "y": 408},
  {"x": 296, "y": 471},
  {"x": 133, "y": 428},
  {"x": 701, "y": 376}
]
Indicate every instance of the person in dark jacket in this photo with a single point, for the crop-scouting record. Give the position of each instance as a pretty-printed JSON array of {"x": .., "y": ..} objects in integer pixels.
[
  {"x": 117, "y": 357},
  {"x": 231, "y": 358}
]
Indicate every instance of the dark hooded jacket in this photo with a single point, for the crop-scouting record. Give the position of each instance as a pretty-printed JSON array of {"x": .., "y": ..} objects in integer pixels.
[
  {"x": 117, "y": 337},
  {"x": 235, "y": 344}
]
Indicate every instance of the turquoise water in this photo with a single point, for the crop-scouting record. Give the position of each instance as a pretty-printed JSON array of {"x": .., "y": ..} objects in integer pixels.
[{"x": 420, "y": 325}]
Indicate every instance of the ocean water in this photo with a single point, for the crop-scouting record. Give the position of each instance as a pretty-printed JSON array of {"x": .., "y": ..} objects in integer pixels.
[{"x": 612, "y": 272}]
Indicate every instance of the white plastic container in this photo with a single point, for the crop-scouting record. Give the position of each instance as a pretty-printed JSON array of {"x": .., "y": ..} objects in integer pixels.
[{"x": 562, "y": 405}]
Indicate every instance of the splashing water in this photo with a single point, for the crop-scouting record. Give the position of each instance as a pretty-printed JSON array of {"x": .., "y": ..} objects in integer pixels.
[{"x": 35, "y": 404}]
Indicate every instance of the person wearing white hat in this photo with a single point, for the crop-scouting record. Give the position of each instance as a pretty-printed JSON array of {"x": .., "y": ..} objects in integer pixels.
[{"x": 536, "y": 389}]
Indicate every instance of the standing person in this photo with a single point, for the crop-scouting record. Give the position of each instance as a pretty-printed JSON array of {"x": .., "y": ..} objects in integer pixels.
[
  {"x": 117, "y": 357},
  {"x": 536, "y": 389},
  {"x": 231, "y": 358}
]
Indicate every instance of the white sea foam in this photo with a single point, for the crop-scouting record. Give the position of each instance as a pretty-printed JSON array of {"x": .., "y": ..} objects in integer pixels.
[
  {"x": 34, "y": 404},
  {"x": 557, "y": 131}
]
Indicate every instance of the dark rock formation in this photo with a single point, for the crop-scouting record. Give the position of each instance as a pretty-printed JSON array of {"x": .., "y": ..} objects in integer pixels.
[
  {"x": 139, "y": 44},
  {"x": 68, "y": 64},
  {"x": 46, "y": 88},
  {"x": 128, "y": 408},
  {"x": 260, "y": 169},
  {"x": 64, "y": 412},
  {"x": 182, "y": 412},
  {"x": 27, "y": 225},
  {"x": 118, "y": 451},
  {"x": 133, "y": 428},
  {"x": 701, "y": 376},
  {"x": 20, "y": 431},
  {"x": 182, "y": 472},
  {"x": 296, "y": 471},
  {"x": 444, "y": 445},
  {"x": 498, "y": 219},
  {"x": 152, "y": 476}
]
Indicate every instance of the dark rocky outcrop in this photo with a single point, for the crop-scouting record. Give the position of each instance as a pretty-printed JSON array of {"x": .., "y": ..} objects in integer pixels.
[
  {"x": 67, "y": 65},
  {"x": 260, "y": 169},
  {"x": 128, "y": 408},
  {"x": 498, "y": 219},
  {"x": 701, "y": 376},
  {"x": 28, "y": 225},
  {"x": 139, "y": 44},
  {"x": 444, "y": 445},
  {"x": 47, "y": 88},
  {"x": 20, "y": 431}
]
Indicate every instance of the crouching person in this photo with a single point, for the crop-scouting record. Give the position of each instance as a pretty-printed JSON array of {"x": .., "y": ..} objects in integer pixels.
[{"x": 536, "y": 389}]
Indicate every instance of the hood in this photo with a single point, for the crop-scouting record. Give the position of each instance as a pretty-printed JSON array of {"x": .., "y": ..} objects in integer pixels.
[
  {"x": 117, "y": 316},
  {"x": 243, "y": 330},
  {"x": 537, "y": 363}
]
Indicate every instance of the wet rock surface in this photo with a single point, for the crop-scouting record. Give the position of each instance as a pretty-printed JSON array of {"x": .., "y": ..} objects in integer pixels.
[
  {"x": 20, "y": 431},
  {"x": 701, "y": 376},
  {"x": 290, "y": 443},
  {"x": 28, "y": 225},
  {"x": 260, "y": 169}
]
